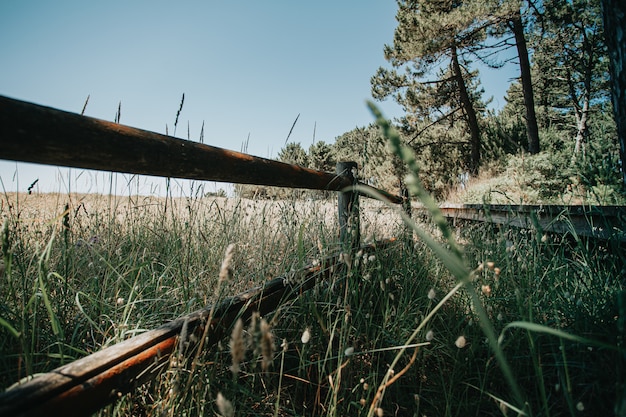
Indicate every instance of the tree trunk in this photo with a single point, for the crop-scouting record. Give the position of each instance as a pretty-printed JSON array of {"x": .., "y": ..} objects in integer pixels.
[
  {"x": 532, "y": 131},
  {"x": 614, "y": 19},
  {"x": 581, "y": 112},
  {"x": 470, "y": 113},
  {"x": 614, "y": 16},
  {"x": 581, "y": 131}
]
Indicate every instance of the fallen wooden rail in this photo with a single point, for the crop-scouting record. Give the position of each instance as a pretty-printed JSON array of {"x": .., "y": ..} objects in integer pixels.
[
  {"x": 599, "y": 222},
  {"x": 33, "y": 133},
  {"x": 88, "y": 384}
]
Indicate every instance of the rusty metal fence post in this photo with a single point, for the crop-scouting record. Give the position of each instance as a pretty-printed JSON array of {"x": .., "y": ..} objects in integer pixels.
[{"x": 348, "y": 209}]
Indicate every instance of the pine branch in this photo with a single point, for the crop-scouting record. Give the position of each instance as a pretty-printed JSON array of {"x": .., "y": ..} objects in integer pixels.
[{"x": 441, "y": 119}]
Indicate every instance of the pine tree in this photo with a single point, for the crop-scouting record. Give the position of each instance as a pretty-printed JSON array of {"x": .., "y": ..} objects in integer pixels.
[
  {"x": 614, "y": 18},
  {"x": 436, "y": 38},
  {"x": 572, "y": 62},
  {"x": 516, "y": 25}
]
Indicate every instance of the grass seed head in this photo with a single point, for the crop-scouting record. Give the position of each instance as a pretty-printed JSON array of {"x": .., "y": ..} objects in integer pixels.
[
  {"x": 306, "y": 336},
  {"x": 460, "y": 342},
  {"x": 4, "y": 245},
  {"x": 224, "y": 406},
  {"x": 237, "y": 346},
  {"x": 486, "y": 290},
  {"x": 431, "y": 294},
  {"x": 267, "y": 345},
  {"x": 226, "y": 270},
  {"x": 504, "y": 409}
]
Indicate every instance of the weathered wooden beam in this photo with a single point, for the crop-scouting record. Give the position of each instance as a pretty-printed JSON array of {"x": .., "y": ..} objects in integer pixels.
[
  {"x": 88, "y": 384},
  {"x": 38, "y": 134},
  {"x": 43, "y": 135},
  {"x": 600, "y": 222}
]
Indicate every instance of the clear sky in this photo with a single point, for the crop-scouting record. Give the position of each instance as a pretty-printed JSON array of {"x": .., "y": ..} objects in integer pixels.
[{"x": 247, "y": 68}]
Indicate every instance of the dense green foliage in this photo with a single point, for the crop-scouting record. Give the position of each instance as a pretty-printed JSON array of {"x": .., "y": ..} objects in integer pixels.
[{"x": 446, "y": 121}]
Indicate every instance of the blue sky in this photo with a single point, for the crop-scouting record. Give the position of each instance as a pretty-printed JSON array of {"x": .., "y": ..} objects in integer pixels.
[{"x": 247, "y": 68}]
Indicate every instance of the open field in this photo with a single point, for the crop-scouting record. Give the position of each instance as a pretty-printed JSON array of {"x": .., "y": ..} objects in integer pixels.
[{"x": 394, "y": 333}]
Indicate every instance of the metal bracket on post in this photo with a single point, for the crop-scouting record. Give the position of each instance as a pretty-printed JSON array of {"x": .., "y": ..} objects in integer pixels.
[{"x": 348, "y": 209}]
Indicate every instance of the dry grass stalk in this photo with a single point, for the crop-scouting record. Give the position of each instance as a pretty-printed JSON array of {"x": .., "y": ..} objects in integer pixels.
[
  {"x": 226, "y": 270},
  {"x": 237, "y": 346},
  {"x": 267, "y": 345}
]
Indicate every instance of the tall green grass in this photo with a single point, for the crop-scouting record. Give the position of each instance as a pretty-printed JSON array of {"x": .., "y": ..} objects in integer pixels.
[{"x": 475, "y": 320}]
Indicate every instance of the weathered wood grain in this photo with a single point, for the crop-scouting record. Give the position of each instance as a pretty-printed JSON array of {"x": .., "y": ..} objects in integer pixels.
[
  {"x": 38, "y": 134},
  {"x": 600, "y": 222}
]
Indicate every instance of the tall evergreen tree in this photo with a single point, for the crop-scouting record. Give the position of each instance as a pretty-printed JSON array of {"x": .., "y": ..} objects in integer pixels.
[
  {"x": 532, "y": 130},
  {"x": 614, "y": 18},
  {"x": 572, "y": 62},
  {"x": 435, "y": 38}
]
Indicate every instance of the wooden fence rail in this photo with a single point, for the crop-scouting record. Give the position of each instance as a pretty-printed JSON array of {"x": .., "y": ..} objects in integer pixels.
[
  {"x": 598, "y": 222},
  {"x": 33, "y": 133},
  {"x": 88, "y": 384}
]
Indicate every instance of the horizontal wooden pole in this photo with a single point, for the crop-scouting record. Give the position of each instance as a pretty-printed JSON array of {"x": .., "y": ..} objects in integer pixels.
[
  {"x": 84, "y": 386},
  {"x": 599, "y": 222},
  {"x": 38, "y": 134},
  {"x": 33, "y": 133}
]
